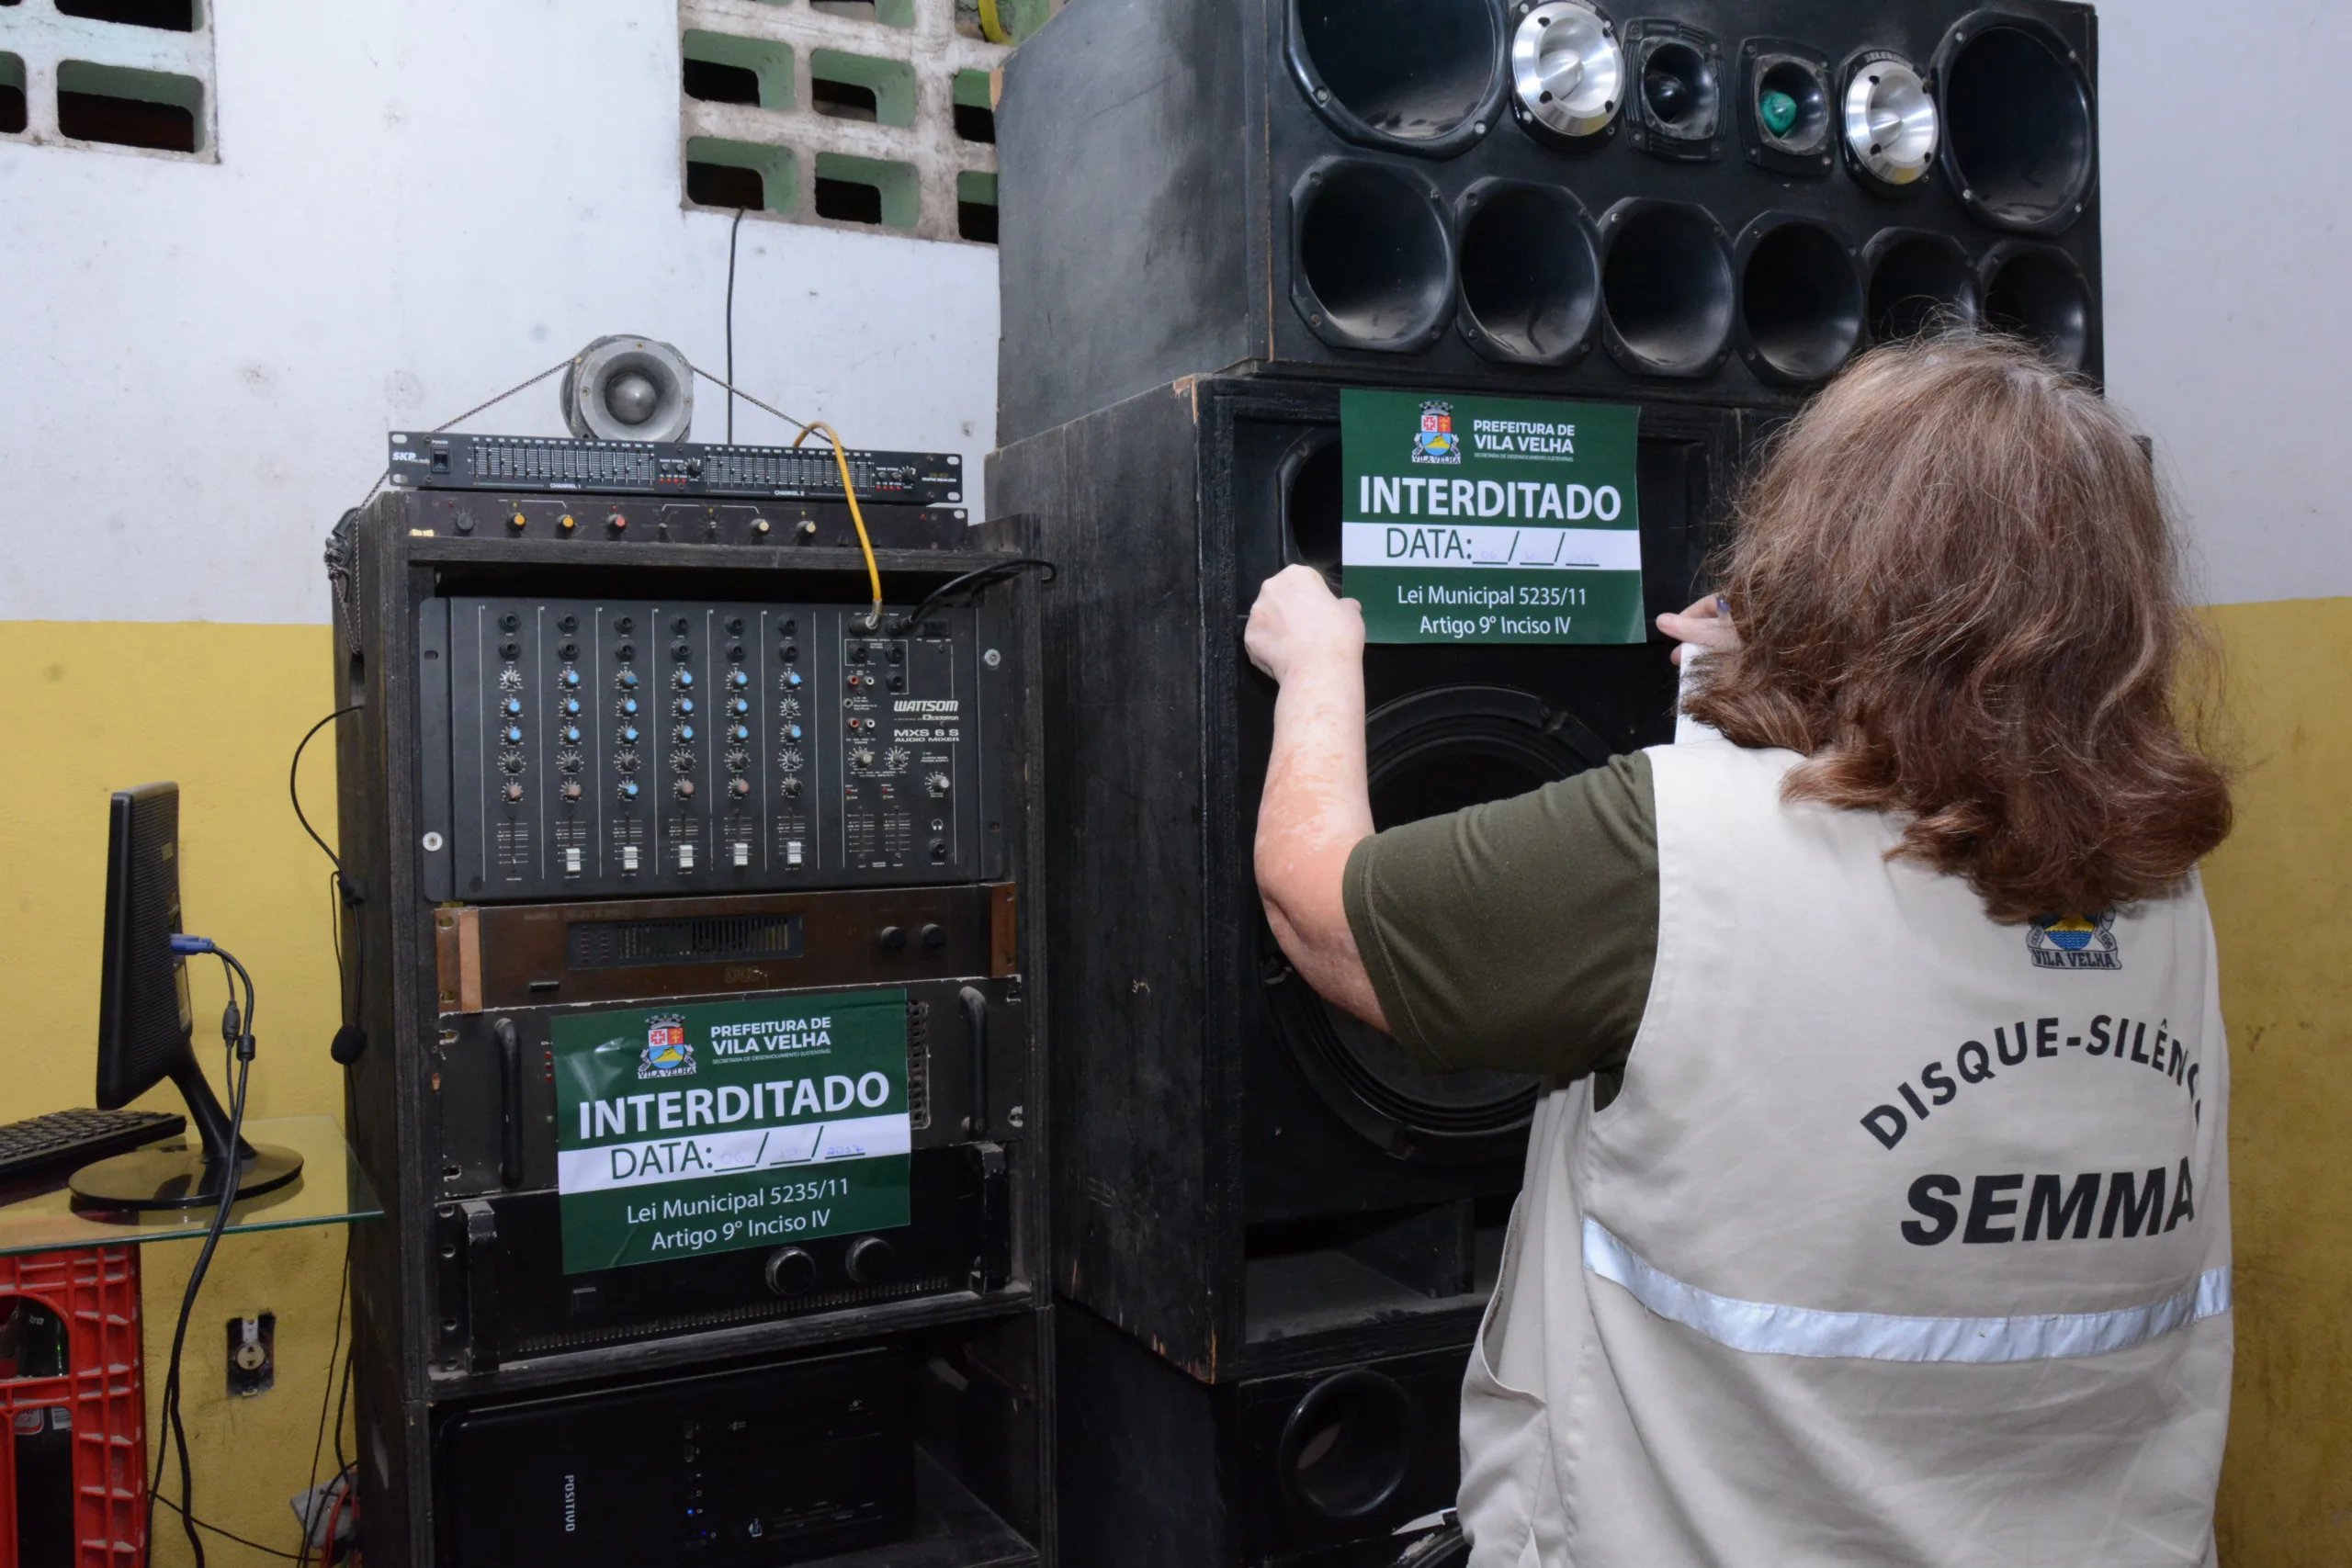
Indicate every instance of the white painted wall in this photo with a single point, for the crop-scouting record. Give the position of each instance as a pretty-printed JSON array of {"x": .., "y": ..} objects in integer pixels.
[
  {"x": 2229, "y": 275},
  {"x": 421, "y": 201},
  {"x": 418, "y": 203}
]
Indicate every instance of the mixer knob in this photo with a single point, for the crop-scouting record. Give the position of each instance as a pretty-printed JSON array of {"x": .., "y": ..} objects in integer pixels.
[
  {"x": 685, "y": 789},
  {"x": 686, "y": 732},
  {"x": 936, "y": 785},
  {"x": 517, "y": 522},
  {"x": 792, "y": 789},
  {"x": 740, "y": 788},
  {"x": 572, "y": 707},
  {"x": 513, "y": 735},
  {"x": 686, "y": 677},
  {"x": 572, "y": 677},
  {"x": 571, "y": 735},
  {"x": 628, "y": 734},
  {"x": 565, "y": 524},
  {"x": 629, "y": 789},
  {"x": 740, "y": 734},
  {"x": 628, "y": 708},
  {"x": 571, "y": 789},
  {"x": 792, "y": 733},
  {"x": 759, "y": 527},
  {"x": 628, "y": 680},
  {"x": 685, "y": 704},
  {"x": 616, "y": 522},
  {"x": 739, "y": 678},
  {"x": 514, "y": 706},
  {"x": 792, "y": 677},
  {"x": 864, "y": 759},
  {"x": 514, "y": 793}
]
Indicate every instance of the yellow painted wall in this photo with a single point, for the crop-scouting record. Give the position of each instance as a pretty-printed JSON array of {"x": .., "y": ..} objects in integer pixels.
[
  {"x": 90, "y": 708},
  {"x": 2281, "y": 891}
]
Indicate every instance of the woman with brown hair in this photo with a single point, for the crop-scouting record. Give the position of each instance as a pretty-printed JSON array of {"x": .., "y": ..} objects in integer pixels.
[{"x": 1879, "y": 1210}]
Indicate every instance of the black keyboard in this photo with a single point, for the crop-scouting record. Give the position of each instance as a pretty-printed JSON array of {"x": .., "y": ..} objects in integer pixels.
[{"x": 63, "y": 1141}]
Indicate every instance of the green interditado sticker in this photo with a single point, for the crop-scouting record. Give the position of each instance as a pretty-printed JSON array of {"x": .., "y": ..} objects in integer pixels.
[
  {"x": 1481, "y": 520},
  {"x": 688, "y": 1129}
]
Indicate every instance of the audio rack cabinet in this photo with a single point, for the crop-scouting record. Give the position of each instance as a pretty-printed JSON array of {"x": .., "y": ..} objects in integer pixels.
[{"x": 986, "y": 1422}]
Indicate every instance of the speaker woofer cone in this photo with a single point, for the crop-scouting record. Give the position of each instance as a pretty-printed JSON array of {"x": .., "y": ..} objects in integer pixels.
[
  {"x": 1666, "y": 288},
  {"x": 1890, "y": 122},
  {"x": 1431, "y": 752},
  {"x": 1917, "y": 282},
  {"x": 1347, "y": 1446},
  {"x": 1371, "y": 261},
  {"x": 1531, "y": 273},
  {"x": 1800, "y": 303},
  {"x": 2021, "y": 136},
  {"x": 2037, "y": 293},
  {"x": 1421, "y": 76},
  {"x": 1568, "y": 71}
]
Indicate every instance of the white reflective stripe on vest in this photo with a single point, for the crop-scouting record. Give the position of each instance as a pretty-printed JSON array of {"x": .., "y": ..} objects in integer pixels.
[{"x": 1775, "y": 1330}]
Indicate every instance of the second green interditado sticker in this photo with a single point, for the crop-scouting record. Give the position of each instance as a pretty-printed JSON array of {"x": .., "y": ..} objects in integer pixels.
[
  {"x": 694, "y": 1129},
  {"x": 1490, "y": 520}
]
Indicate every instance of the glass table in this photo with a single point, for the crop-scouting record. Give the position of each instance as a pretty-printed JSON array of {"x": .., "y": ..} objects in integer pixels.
[{"x": 331, "y": 1191}]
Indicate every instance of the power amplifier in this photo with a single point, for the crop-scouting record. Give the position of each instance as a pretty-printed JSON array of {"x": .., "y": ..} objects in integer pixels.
[{"x": 668, "y": 468}]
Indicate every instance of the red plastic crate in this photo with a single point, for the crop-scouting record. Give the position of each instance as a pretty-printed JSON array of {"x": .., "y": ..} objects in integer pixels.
[{"x": 95, "y": 1293}]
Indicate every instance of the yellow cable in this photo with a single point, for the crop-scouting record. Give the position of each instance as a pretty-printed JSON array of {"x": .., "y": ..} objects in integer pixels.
[
  {"x": 849, "y": 490},
  {"x": 992, "y": 26}
]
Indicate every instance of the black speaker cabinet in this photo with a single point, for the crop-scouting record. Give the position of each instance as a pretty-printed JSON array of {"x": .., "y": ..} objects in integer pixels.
[
  {"x": 1695, "y": 200},
  {"x": 1246, "y": 1180},
  {"x": 1311, "y": 1468}
]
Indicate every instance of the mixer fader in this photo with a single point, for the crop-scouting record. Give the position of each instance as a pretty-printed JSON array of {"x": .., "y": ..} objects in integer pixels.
[{"x": 584, "y": 747}]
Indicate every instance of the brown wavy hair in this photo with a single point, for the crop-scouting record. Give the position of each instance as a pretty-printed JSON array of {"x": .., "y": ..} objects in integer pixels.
[{"x": 1959, "y": 598}]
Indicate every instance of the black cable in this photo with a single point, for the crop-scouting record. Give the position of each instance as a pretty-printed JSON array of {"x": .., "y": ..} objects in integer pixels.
[
  {"x": 802, "y": 426},
  {"x": 230, "y": 1535},
  {"x": 310, "y": 1519},
  {"x": 176, "y": 1431},
  {"x": 731, "y": 231},
  {"x": 343, "y": 1466},
  {"x": 294, "y": 776},
  {"x": 982, "y": 578}
]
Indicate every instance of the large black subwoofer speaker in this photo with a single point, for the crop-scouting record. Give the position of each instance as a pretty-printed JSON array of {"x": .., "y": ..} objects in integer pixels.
[
  {"x": 1248, "y": 1181},
  {"x": 1480, "y": 193}
]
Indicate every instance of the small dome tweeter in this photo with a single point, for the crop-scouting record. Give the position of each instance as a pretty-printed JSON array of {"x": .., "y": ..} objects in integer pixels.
[
  {"x": 2037, "y": 293},
  {"x": 1666, "y": 288},
  {"x": 1784, "y": 106},
  {"x": 2020, "y": 142},
  {"x": 1421, "y": 76},
  {"x": 1531, "y": 273},
  {"x": 1568, "y": 72},
  {"x": 1372, "y": 259},
  {"x": 1890, "y": 123}
]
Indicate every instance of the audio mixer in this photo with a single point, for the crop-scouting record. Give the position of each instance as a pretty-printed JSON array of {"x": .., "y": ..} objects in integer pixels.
[{"x": 579, "y": 746}]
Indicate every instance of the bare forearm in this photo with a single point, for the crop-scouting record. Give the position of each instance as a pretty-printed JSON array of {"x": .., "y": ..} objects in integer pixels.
[{"x": 1316, "y": 809}]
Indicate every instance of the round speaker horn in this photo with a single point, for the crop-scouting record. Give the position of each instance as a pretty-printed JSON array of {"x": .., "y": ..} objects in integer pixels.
[{"x": 628, "y": 389}]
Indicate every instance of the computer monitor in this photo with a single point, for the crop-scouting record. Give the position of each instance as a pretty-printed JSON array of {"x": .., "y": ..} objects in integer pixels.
[{"x": 146, "y": 1027}]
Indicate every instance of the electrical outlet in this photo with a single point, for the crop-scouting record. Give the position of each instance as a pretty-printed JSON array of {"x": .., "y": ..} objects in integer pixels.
[{"x": 252, "y": 1355}]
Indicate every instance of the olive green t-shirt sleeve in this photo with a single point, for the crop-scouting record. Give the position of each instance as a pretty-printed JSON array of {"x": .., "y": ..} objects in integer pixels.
[{"x": 1517, "y": 936}]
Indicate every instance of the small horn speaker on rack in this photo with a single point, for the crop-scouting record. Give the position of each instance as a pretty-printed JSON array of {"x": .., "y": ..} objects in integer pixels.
[{"x": 628, "y": 389}]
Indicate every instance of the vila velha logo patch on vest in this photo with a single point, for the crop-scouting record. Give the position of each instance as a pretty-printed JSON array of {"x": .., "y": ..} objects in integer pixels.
[
  {"x": 1435, "y": 442},
  {"x": 2070, "y": 942},
  {"x": 668, "y": 1054}
]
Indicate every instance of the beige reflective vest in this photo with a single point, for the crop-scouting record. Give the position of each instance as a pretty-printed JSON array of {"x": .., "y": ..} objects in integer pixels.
[{"x": 1905, "y": 1242}]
